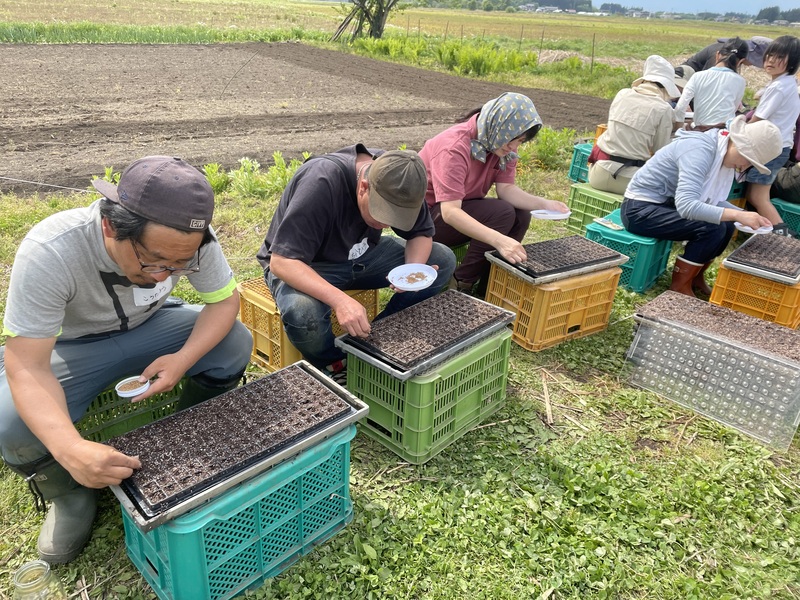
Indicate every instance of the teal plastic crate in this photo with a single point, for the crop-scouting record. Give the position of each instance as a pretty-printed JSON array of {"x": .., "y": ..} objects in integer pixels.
[
  {"x": 789, "y": 212},
  {"x": 737, "y": 190},
  {"x": 419, "y": 417},
  {"x": 648, "y": 256},
  {"x": 251, "y": 532},
  {"x": 579, "y": 168},
  {"x": 586, "y": 203},
  {"x": 109, "y": 415}
]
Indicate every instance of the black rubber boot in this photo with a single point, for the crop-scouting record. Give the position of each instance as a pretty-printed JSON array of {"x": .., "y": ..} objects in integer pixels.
[
  {"x": 68, "y": 524},
  {"x": 201, "y": 388}
]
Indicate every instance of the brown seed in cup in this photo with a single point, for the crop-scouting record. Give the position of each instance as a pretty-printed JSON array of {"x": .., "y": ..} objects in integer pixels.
[{"x": 130, "y": 386}]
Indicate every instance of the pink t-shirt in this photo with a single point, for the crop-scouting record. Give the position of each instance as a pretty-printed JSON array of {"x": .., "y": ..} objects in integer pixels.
[{"x": 453, "y": 174}]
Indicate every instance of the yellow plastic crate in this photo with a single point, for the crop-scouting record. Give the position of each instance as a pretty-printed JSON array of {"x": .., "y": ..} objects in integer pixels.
[
  {"x": 272, "y": 349},
  {"x": 752, "y": 295},
  {"x": 600, "y": 131},
  {"x": 551, "y": 313}
]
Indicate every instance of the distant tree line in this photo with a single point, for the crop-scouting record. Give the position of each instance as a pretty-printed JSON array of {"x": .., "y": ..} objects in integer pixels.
[{"x": 772, "y": 13}]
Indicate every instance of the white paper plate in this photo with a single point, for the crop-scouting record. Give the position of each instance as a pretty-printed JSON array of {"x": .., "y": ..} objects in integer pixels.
[
  {"x": 143, "y": 387},
  {"x": 550, "y": 215},
  {"x": 746, "y": 229},
  {"x": 412, "y": 277}
]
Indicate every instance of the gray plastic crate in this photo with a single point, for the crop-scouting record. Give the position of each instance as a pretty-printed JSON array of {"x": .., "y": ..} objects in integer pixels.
[{"x": 743, "y": 388}]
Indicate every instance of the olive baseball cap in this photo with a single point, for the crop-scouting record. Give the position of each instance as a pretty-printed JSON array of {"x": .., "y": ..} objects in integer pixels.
[
  {"x": 163, "y": 189},
  {"x": 397, "y": 186}
]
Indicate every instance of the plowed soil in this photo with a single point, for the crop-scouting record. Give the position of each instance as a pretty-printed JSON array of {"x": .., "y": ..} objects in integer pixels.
[{"x": 69, "y": 111}]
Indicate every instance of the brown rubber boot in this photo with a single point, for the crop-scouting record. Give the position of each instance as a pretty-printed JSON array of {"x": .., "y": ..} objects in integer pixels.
[
  {"x": 683, "y": 274},
  {"x": 699, "y": 283}
]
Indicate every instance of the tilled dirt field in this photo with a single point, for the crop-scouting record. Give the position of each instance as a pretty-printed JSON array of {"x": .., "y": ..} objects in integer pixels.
[{"x": 69, "y": 111}]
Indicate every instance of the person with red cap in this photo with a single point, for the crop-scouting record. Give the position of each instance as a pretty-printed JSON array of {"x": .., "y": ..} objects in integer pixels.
[{"x": 87, "y": 306}]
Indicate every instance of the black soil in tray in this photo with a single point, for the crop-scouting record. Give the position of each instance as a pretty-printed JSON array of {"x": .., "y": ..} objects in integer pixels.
[
  {"x": 190, "y": 451},
  {"x": 722, "y": 322},
  {"x": 562, "y": 255},
  {"x": 772, "y": 253},
  {"x": 429, "y": 328}
]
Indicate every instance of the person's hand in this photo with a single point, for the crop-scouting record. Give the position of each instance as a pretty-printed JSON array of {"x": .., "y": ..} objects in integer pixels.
[
  {"x": 164, "y": 374},
  {"x": 96, "y": 465},
  {"x": 555, "y": 205},
  {"x": 752, "y": 219},
  {"x": 511, "y": 250},
  {"x": 352, "y": 316}
]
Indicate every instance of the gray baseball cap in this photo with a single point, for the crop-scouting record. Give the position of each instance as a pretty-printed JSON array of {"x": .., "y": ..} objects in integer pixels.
[{"x": 163, "y": 189}]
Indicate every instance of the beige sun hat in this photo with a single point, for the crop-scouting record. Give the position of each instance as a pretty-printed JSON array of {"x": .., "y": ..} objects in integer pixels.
[
  {"x": 758, "y": 142},
  {"x": 658, "y": 69}
]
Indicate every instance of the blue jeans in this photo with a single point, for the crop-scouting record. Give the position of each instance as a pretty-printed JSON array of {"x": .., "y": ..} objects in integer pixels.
[
  {"x": 307, "y": 321},
  {"x": 706, "y": 241},
  {"x": 85, "y": 367}
]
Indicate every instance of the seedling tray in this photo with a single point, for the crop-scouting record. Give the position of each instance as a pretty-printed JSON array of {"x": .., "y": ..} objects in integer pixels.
[
  {"x": 773, "y": 257},
  {"x": 197, "y": 454},
  {"x": 569, "y": 255},
  {"x": 426, "y": 334}
]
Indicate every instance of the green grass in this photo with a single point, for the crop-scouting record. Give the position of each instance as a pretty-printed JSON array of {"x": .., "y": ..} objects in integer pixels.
[{"x": 624, "y": 495}]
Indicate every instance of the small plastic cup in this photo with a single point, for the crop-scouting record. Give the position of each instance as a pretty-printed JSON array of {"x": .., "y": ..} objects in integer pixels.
[{"x": 131, "y": 386}]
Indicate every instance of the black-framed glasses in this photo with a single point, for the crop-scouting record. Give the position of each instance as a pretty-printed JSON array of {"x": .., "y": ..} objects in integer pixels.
[{"x": 147, "y": 268}]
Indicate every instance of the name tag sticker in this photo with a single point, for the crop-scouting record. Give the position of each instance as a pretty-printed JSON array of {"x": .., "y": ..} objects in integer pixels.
[{"x": 146, "y": 296}]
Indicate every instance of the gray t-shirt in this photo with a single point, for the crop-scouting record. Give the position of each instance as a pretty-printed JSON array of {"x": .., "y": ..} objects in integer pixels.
[{"x": 63, "y": 282}]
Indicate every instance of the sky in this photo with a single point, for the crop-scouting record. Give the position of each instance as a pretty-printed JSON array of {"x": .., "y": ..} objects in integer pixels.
[{"x": 695, "y": 6}]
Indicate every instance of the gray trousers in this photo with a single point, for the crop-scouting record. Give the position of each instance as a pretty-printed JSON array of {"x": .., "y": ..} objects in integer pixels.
[{"x": 87, "y": 366}]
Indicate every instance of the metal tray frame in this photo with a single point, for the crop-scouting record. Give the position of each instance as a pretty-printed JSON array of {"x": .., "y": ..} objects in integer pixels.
[
  {"x": 601, "y": 266},
  {"x": 431, "y": 362},
  {"x": 359, "y": 410}
]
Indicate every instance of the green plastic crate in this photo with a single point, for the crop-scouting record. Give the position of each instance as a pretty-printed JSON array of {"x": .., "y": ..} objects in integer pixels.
[
  {"x": 579, "y": 167},
  {"x": 648, "y": 256},
  {"x": 460, "y": 251},
  {"x": 789, "y": 212},
  {"x": 252, "y": 531},
  {"x": 586, "y": 203},
  {"x": 109, "y": 415},
  {"x": 419, "y": 417}
]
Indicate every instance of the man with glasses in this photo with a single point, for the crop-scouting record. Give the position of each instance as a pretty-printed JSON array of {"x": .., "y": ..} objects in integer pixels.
[
  {"x": 86, "y": 307},
  {"x": 325, "y": 238}
]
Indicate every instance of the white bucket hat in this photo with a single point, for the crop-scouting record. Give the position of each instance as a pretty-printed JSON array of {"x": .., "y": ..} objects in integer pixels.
[
  {"x": 658, "y": 69},
  {"x": 758, "y": 142}
]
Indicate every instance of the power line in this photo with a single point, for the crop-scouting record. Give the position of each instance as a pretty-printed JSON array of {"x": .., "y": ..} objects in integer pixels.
[{"x": 39, "y": 183}]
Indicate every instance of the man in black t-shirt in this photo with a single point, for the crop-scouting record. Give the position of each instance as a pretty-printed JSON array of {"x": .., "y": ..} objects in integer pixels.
[
  {"x": 325, "y": 238},
  {"x": 707, "y": 57}
]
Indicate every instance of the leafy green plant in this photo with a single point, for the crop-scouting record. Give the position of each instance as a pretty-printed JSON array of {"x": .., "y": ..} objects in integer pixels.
[
  {"x": 552, "y": 149},
  {"x": 217, "y": 177}
]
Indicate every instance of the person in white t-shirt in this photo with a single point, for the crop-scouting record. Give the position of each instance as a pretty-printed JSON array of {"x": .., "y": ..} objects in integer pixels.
[
  {"x": 779, "y": 104},
  {"x": 717, "y": 92}
]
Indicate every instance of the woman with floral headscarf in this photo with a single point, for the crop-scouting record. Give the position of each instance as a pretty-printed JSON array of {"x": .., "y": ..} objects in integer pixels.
[{"x": 463, "y": 162}]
